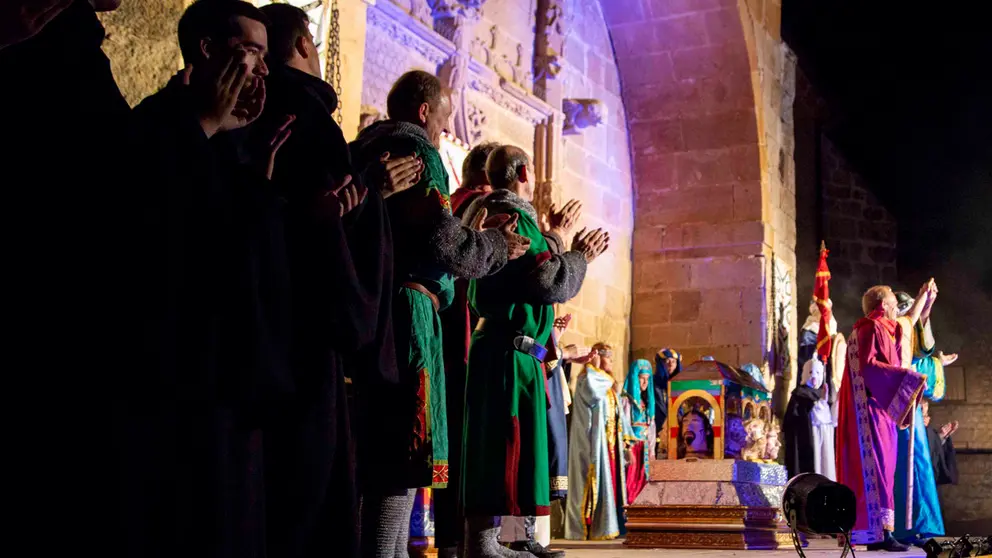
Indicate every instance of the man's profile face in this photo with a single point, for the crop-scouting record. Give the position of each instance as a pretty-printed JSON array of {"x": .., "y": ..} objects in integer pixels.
[
  {"x": 313, "y": 56},
  {"x": 525, "y": 188},
  {"x": 253, "y": 40},
  {"x": 437, "y": 119},
  {"x": 890, "y": 305}
]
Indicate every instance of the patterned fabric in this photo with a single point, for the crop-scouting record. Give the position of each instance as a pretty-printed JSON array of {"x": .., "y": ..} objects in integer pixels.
[
  {"x": 595, "y": 460},
  {"x": 422, "y": 517},
  {"x": 639, "y": 414},
  {"x": 417, "y": 328},
  {"x": 557, "y": 434},
  {"x": 876, "y": 398},
  {"x": 926, "y": 520}
]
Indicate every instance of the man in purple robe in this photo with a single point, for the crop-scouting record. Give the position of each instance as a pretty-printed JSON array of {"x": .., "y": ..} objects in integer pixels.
[{"x": 877, "y": 397}]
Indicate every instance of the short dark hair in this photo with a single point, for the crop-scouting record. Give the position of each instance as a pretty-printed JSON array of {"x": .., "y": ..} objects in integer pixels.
[
  {"x": 214, "y": 19},
  {"x": 474, "y": 165},
  {"x": 504, "y": 164},
  {"x": 286, "y": 24},
  {"x": 413, "y": 89}
]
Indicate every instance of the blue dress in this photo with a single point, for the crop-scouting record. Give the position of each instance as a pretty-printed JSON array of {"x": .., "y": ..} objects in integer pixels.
[{"x": 927, "y": 520}]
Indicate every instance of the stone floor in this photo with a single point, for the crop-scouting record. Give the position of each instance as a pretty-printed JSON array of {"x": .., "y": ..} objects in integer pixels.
[{"x": 615, "y": 549}]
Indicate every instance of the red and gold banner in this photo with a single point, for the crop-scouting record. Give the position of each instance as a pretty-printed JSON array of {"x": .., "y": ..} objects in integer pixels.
[{"x": 821, "y": 293}]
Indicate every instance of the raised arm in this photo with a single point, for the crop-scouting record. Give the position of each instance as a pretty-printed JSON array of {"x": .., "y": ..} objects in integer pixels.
[
  {"x": 895, "y": 388},
  {"x": 557, "y": 277}
]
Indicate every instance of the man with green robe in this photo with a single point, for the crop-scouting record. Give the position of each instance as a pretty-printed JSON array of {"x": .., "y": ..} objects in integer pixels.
[
  {"x": 430, "y": 248},
  {"x": 505, "y": 444}
]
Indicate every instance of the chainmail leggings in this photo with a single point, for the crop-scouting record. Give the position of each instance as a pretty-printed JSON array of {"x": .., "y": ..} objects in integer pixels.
[{"x": 386, "y": 524}]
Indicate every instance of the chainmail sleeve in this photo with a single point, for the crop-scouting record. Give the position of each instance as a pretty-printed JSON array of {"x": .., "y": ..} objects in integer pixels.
[
  {"x": 465, "y": 252},
  {"x": 558, "y": 279}
]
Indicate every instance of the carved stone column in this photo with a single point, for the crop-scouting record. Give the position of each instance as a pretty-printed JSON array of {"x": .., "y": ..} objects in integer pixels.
[
  {"x": 549, "y": 50},
  {"x": 549, "y": 47},
  {"x": 455, "y": 20}
]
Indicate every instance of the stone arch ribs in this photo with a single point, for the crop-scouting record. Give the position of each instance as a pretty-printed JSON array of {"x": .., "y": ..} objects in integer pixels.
[{"x": 699, "y": 234}]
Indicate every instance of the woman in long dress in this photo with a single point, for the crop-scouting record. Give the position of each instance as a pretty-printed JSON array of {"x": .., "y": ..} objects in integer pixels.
[{"x": 638, "y": 408}]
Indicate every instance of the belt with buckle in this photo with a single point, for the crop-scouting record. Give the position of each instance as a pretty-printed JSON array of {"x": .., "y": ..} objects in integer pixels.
[
  {"x": 521, "y": 343},
  {"x": 422, "y": 289}
]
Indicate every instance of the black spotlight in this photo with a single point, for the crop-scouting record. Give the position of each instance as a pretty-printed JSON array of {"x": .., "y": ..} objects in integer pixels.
[{"x": 816, "y": 505}]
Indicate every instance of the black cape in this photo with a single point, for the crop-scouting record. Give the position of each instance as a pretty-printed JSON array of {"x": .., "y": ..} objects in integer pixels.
[
  {"x": 944, "y": 458},
  {"x": 797, "y": 430},
  {"x": 216, "y": 328},
  {"x": 311, "y": 493},
  {"x": 66, "y": 340}
]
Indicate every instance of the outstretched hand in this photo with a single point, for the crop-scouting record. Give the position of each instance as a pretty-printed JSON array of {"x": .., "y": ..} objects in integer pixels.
[
  {"x": 947, "y": 360},
  {"x": 560, "y": 325},
  {"x": 349, "y": 195},
  {"x": 563, "y": 220},
  {"x": 401, "y": 173},
  {"x": 592, "y": 244},
  {"x": 278, "y": 138},
  {"x": 516, "y": 245},
  {"x": 948, "y": 430},
  {"x": 22, "y": 19}
]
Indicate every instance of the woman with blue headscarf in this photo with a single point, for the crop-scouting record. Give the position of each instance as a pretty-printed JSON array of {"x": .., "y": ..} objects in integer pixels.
[
  {"x": 639, "y": 408},
  {"x": 667, "y": 365}
]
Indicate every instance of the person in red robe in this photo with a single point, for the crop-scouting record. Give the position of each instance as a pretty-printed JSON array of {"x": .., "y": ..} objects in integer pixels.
[{"x": 877, "y": 397}]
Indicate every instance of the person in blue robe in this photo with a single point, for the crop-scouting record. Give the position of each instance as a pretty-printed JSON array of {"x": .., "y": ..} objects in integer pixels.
[{"x": 926, "y": 520}]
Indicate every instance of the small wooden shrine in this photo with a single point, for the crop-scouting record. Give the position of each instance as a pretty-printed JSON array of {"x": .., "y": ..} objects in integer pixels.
[{"x": 720, "y": 486}]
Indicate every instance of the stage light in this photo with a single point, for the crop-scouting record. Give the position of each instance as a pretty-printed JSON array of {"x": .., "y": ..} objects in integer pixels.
[
  {"x": 964, "y": 547},
  {"x": 816, "y": 505}
]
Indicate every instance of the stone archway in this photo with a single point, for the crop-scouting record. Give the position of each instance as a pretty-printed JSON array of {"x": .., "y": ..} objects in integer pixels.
[{"x": 705, "y": 107}]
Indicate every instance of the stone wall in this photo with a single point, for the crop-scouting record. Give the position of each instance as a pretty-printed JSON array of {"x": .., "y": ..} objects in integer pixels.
[
  {"x": 592, "y": 165},
  {"x": 703, "y": 84},
  {"x": 597, "y": 171},
  {"x": 773, "y": 81},
  {"x": 860, "y": 234},
  {"x": 142, "y": 45}
]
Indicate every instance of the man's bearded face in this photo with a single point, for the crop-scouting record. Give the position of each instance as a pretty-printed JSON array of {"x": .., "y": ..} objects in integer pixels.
[{"x": 694, "y": 434}]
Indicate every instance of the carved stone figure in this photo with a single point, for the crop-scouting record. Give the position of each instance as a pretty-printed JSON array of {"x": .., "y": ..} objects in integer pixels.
[
  {"x": 772, "y": 444},
  {"x": 455, "y": 20},
  {"x": 581, "y": 114},
  {"x": 549, "y": 49},
  {"x": 754, "y": 448}
]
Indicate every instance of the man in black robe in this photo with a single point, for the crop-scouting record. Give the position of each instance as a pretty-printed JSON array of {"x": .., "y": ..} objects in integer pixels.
[
  {"x": 797, "y": 429},
  {"x": 62, "y": 118},
  {"x": 311, "y": 492},
  {"x": 215, "y": 301}
]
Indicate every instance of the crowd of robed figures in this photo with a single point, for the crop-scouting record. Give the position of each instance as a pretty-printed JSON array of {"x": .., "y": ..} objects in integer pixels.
[
  {"x": 196, "y": 278},
  {"x": 874, "y": 391}
]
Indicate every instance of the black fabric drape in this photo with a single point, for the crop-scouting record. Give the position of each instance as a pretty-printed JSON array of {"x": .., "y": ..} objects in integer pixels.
[
  {"x": 309, "y": 452},
  {"x": 797, "y": 429},
  {"x": 214, "y": 304},
  {"x": 66, "y": 339},
  {"x": 943, "y": 457}
]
